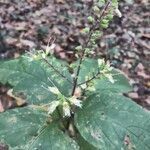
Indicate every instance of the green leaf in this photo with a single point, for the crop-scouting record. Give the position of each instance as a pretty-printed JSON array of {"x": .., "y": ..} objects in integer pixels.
[
  {"x": 5, "y": 69},
  {"x": 84, "y": 145},
  {"x": 19, "y": 126},
  {"x": 26, "y": 129},
  {"x": 90, "y": 67},
  {"x": 30, "y": 77},
  {"x": 113, "y": 122},
  {"x": 121, "y": 84},
  {"x": 51, "y": 138}
]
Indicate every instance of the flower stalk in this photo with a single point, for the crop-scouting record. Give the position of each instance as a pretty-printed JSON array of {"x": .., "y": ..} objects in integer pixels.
[{"x": 86, "y": 44}]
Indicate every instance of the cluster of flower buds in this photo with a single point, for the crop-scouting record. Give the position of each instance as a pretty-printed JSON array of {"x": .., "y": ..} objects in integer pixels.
[
  {"x": 40, "y": 54},
  {"x": 100, "y": 19},
  {"x": 105, "y": 69},
  {"x": 109, "y": 13},
  {"x": 64, "y": 102}
]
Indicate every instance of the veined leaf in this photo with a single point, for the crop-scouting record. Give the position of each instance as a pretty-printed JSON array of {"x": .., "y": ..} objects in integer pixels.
[
  {"x": 85, "y": 145},
  {"x": 121, "y": 84},
  {"x": 112, "y": 122},
  {"x": 30, "y": 77},
  {"x": 51, "y": 138},
  {"x": 26, "y": 129},
  {"x": 19, "y": 126},
  {"x": 89, "y": 68}
]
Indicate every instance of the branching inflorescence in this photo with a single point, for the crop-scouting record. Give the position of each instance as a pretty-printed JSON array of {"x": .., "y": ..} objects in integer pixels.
[{"x": 101, "y": 14}]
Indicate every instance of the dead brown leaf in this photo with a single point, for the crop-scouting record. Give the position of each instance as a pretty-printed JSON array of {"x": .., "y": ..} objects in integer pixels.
[
  {"x": 19, "y": 101},
  {"x": 133, "y": 95}
]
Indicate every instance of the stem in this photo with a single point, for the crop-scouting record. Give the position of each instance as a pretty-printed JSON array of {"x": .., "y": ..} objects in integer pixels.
[
  {"x": 77, "y": 74},
  {"x": 87, "y": 81},
  {"x": 61, "y": 118},
  {"x": 57, "y": 71},
  {"x": 85, "y": 45}
]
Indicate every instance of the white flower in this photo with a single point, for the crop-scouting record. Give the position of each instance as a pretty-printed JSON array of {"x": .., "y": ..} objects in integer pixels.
[
  {"x": 49, "y": 49},
  {"x": 107, "y": 64},
  {"x": 118, "y": 13},
  {"x": 54, "y": 90},
  {"x": 108, "y": 67},
  {"x": 73, "y": 75},
  {"x": 75, "y": 101},
  {"x": 83, "y": 86},
  {"x": 101, "y": 62},
  {"x": 66, "y": 109},
  {"x": 110, "y": 78},
  {"x": 43, "y": 55},
  {"x": 52, "y": 106}
]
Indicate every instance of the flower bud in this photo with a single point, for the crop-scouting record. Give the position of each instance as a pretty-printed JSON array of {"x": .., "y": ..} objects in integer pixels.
[
  {"x": 118, "y": 13},
  {"x": 96, "y": 9},
  {"x": 110, "y": 78},
  {"x": 90, "y": 19},
  {"x": 104, "y": 25},
  {"x": 86, "y": 30},
  {"x": 101, "y": 62},
  {"x": 78, "y": 48}
]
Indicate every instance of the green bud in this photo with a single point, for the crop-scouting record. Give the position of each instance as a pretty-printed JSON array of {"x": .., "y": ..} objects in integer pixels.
[
  {"x": 35, "y": 57},
  {"x": 101, "y": 3},
  {"x": 86, "y": 30},
  {"x": 94, "y": 46},
  {"x": 90, "y": 19},
  {"x": 87, "y": 50},
  {"x": 96, "y": 34},
  {"x": 105, "y": 21},
  {"x": 115, "y": 3},
  {"x": 73, "y": 65},
  {"x": 104, "y": 26},
  {"x": 96, "y": 9},
  {"x": 78, "y": 48},
  {"x": 110, "y": 16},
  {"x": 92, "y": 42}
]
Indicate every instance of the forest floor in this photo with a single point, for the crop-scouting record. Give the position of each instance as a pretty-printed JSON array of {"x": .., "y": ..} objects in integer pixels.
[{"x": 28, "y": 24}]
